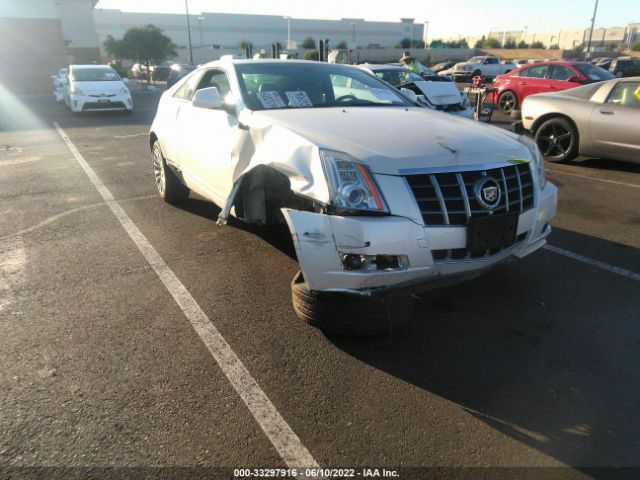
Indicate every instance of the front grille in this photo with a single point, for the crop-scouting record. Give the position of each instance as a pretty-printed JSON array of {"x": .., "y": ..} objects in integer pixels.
[
  {"x": 449, "y": 198},
  {"x": 461, "y": 254}
]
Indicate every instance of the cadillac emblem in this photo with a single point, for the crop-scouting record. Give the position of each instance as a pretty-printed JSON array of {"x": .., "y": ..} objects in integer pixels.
[{"x": 488, "y": 194}]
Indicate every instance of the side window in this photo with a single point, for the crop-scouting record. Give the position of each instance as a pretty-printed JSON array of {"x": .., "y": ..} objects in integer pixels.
[
  {"x": 491, "y": 61},
  {"x": 626, "y": 94},
  {"x": 218, "y": 79},
  {"x": 535, "y": 72},
  {"x": 559, "y": 72},
  {"x": 185, "y": 92}
]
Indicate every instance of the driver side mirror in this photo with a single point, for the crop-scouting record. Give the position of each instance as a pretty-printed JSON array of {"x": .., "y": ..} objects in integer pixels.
[{"x": 208, "y": 98}]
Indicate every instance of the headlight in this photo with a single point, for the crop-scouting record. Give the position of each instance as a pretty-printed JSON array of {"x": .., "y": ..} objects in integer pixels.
[
  {"x": 124, "y": 91},
  {"x": 76, "y": 91},
  {"x": 536, "y": 159},
  {"x": 465, "y": 101},
  {"x": 350, "y": 183}
]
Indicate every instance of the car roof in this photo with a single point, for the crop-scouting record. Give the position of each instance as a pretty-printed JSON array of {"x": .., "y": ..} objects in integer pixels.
[
  {"x": 76, "y": 67},
  {"x": 381, "y": 66}
]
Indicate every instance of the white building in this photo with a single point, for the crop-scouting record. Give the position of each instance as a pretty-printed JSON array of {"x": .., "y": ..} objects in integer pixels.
[{"x": 210, "y": 31}]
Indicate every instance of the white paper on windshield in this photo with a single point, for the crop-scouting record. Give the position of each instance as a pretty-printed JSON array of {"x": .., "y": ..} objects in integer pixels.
[
  {"x": 383, "y": 94},
  {"x": 271, "y": 100},
  {"x": 299, "y": 99}
]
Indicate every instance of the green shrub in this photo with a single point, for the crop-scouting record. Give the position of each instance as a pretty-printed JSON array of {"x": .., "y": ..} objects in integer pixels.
[{"x": 312, "y": 55}]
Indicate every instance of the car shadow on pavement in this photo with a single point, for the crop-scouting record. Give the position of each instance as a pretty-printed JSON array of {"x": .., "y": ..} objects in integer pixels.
[
  {"x": 544, "y": 350},
  {"x": 278, "y": 236}
]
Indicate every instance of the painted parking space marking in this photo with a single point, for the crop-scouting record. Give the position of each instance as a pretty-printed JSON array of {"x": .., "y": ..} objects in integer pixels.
[
  {"x": 614, "y": 182},
  {"x": 280, "y": 434},
  {"x": 593, "y": 262}
]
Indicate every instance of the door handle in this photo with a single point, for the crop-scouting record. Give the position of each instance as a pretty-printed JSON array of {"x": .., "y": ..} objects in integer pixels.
[
  {"x": 607, "y": 112},
  {"x": 523, "y": 83}
]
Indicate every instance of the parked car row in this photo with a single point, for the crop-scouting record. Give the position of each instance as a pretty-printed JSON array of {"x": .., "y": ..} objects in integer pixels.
[{"x": 85, "y": 88}]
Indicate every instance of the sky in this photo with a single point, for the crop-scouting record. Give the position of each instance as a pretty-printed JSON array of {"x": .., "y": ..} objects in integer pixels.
[{"x": 446, "y": 17}]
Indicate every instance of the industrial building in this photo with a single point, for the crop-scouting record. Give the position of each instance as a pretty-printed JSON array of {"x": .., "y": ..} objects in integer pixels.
[
  {"x": 212, "y": 31},
  {"x": 40, "y": 36}
]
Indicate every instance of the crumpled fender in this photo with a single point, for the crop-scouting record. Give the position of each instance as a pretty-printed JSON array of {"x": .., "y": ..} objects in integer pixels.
[{"x": 261, "y": 143}]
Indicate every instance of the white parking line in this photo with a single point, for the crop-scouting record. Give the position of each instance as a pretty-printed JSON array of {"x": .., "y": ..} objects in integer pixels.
[
  {"x": 594, "y": 262},
  {"x": 614, "y": 182},
  {"x": 283, "y": 438}
]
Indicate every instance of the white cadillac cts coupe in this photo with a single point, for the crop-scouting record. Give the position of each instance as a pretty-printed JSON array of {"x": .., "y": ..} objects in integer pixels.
[{"x": 382, "y": 196}]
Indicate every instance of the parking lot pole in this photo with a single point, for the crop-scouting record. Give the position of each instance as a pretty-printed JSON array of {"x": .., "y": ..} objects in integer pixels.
[
  {"x": 186, "y": 6},
  {"x": 593, "y": 21}
]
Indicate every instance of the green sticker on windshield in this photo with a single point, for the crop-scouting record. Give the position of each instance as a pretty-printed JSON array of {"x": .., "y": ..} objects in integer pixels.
[{"x": 518, "y": 160}]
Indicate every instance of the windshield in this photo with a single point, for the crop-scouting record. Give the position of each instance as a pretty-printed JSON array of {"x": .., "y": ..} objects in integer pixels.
[
  {"x": 94, "y": 75},
  {"x": 397, "y": 77},
  {"x": 269, "y": 86},
  {"x": 593, "y": 72}
]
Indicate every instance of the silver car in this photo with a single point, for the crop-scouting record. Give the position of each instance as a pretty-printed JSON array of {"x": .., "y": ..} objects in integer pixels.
[{"x": 598, "y": 120}]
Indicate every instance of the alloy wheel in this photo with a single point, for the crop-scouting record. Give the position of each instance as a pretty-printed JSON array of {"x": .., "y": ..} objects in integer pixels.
[
  {"x": 158, "y": 170},
  {"x": 507, "y": 102},
  {"x": 555, "y": 141}
]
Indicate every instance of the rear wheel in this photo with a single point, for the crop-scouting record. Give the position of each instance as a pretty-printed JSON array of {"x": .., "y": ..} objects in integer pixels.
[
  {"x": 508, "y": 102},
  {"x": 347, "y": 314},
  {"x": 557, "y": 140},
  {"x": 170, "y": 189}
]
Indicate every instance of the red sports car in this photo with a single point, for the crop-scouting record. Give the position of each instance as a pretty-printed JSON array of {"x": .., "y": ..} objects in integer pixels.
[{"x": 514, "y": 87}]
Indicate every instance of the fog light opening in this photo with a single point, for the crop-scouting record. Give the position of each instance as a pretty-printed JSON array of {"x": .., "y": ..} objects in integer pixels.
[{"x": 352, "y": 261}]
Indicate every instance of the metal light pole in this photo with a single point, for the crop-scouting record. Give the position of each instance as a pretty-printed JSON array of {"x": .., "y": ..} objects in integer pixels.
[
  {"x": 200, "y": 20},
  {"x": 593, "y": 21},
  {"x": 186, "y": 6},
  {"x": 353, "y": 32},
  {"x": 288, "y": 32},
  {"x": 426, "y": 31}
]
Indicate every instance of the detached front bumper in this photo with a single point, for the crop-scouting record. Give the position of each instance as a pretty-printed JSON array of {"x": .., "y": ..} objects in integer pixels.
[
  {"x": 321, "y": 241},
  {"x": 85, "y": 103}
]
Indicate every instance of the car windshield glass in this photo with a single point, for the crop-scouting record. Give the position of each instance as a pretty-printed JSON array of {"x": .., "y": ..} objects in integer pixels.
[
  {"x": 593, "y": 72},
  {"x": 278, "y": 85},
  {"x": 397, "y": 77},
  {"x": 94, "y": 75}
]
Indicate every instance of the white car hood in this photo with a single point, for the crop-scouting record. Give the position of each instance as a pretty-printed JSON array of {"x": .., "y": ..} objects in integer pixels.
[
  {"x": 393, "y": 139},
  {"x": 96, "y": 88},
  {"x": 440, "y": 93}
]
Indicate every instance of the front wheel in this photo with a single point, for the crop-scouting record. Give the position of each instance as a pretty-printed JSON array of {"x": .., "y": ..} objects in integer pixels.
[
  {"x": 557, "y": 140},
  {"x": 508, "y": 102},
  {"x": 170, "y": 189}
]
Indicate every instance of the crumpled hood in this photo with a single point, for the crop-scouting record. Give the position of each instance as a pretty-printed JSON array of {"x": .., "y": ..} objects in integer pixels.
[
  {"x": 440, "y": 93},
  {"x": 96, "y": 88},
  {"x": 391, "y": 139}
]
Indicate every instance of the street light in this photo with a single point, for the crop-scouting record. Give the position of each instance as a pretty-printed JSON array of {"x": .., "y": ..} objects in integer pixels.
[
  {"x": 186, "y": 7},
  {"x": 353, "y": 32},
  {"x": 593, "y": 21},
  {"x": 200, "y": 20},
  {"x": 426, "y": 31},
  {"x": 288, "y": 32}
]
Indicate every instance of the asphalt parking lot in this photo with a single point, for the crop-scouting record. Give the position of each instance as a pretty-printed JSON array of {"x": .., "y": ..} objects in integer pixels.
[{"x": 532, "y": 371}]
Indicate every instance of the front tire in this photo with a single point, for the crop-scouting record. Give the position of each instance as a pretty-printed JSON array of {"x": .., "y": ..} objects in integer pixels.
[
  {"x": 346, "y": 314},
  {"x": 508, "y": 102},
  {"x": 557, "y": 140},
  {"x": 170, "y": 188}
]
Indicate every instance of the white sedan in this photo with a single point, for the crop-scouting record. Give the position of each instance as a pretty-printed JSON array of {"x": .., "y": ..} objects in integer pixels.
[
  {"x": 381, "y": 195},
  {"x": 96, "y": 88}
]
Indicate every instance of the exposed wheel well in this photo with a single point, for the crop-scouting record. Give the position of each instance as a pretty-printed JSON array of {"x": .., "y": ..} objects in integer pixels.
[
  {"x": 263, "y": 192},
  {"x": 536, "y": 125},
  {"x": 152, "y": 139}
]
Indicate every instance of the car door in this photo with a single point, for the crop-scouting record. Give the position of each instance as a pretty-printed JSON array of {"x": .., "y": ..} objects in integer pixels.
[
  {"x": 169, "y": 131},
  {"x": 207, "y": 138},
  {"x": 533, "y": 80},
  {"x": 558, "y": 78},
  {"x": 490, "y": 67},
  {"x": 614, "y": 124}
]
